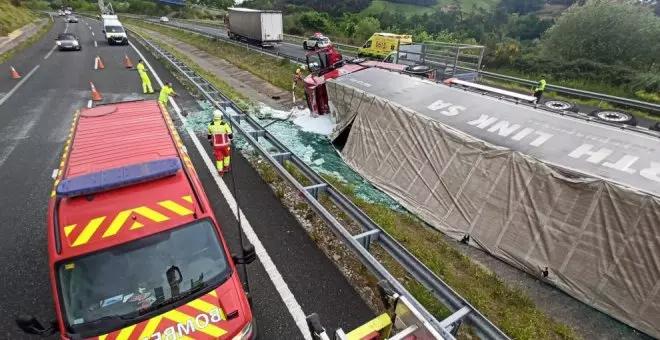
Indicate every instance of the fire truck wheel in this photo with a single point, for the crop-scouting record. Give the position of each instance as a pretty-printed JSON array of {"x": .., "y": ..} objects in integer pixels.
[
  {"x": 655, "y": 127},
  {"x": 560, "y": 105},
  {"x": 614, "y": 116},
  {"x": 417, "y": 69}
]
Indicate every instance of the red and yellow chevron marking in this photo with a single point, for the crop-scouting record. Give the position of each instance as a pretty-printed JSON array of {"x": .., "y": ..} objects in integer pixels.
[
  {"x": 179, "y": 143},
  {"x": 103, "y": 227},
  {"x": 199, "y": 319},
  {"x": 65, "y": 154}
]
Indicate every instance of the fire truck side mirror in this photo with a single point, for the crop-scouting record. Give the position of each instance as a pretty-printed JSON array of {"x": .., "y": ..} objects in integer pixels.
[
  {"x": 29, "y": 324},
  {"x": 248, "y": 256}
]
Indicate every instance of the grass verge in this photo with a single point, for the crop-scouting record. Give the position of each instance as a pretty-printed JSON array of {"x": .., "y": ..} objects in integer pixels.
[
  {"x": 7, "y": 55},
  {"x": 509, "y": 308},
  {"x": 278, "y": 72},
  {"x": 241, "y": 100},
  {"x": 12, "y": 17}
]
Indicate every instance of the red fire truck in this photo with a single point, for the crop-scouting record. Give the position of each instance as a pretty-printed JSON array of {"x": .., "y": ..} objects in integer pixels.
[{"x": 135, "y": 251}]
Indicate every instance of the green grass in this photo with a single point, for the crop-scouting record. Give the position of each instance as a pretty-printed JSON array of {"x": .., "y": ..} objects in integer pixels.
[
  {"x": 586, "y": 85},
  {"x": 12, "y": 17},
  {"x": 278, "y": 72},
  {"x": 4, "y": 57},
  {"x": 240, "y": 99},
  {"x": 581, "y": 101},
  {"x": 379, "y": 6}
]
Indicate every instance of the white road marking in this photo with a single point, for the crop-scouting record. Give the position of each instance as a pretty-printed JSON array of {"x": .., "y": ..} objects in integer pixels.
[
  {"x": 95, "y": 44},
  {"x": 50, "y": 52},
  {"x": 92, "y": 33},
  {"x": 89, "y": 104},
  {"x": 4, "y": 99},
  {"x": 282, "y": 288},
  {"x": 55, "y": 173},
  {"x": 96, "y": 63}
]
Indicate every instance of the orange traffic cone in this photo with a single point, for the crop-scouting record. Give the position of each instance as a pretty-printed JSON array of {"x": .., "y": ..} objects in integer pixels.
[
  {"x": 96, "y": 96},
  {"x": 14, "y": 74},
  {"x": 101, "y": 66},
  {"x": 127, "y": 61}
]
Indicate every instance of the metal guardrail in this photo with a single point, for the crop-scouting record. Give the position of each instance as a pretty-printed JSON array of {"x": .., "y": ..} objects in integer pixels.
[
  {"x": 630, "y": 103},
  {"x": 359, "y": 244}
]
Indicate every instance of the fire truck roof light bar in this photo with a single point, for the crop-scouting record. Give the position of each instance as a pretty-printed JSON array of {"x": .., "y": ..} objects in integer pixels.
[{"x": 124, "y": 176}]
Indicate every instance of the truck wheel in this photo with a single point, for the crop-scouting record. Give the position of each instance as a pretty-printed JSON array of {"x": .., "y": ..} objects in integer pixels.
[
  {"x": 357, "y": 60},
  {"x": 417, "y": 69},
  {"x": 305, "y": 45},
  {"x": 614, "y": 116},
  {"x": 655, "y": 127},
  {"x": 560, "y": 105}
]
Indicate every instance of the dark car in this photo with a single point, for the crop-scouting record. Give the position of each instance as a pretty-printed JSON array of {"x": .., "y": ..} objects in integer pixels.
[
  {"x": 72, "y": 19},
  {"x": 68, "y": 41}
]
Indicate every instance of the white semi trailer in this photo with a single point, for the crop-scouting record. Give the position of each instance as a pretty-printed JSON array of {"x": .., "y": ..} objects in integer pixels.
[{"x": 260, "y": 27}]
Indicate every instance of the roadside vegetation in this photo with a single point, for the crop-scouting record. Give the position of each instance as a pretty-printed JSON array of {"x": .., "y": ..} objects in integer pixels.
[
  {"x": 13, "y": 16},
  {"x": 509, "y": 308},
  {"x": 7, "y": 55}
]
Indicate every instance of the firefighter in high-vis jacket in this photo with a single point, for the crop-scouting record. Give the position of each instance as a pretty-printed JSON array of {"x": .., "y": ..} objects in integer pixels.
[
  {"x": 146, "y": 82},
  {"x": 298, "y": 77},
  {"x": 220, "y": 136}
]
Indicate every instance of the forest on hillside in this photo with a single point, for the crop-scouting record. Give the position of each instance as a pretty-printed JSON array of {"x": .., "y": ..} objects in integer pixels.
[{"x": 612, "y": 45}]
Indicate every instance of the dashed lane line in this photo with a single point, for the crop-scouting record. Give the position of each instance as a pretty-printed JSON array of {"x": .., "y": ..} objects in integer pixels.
[{"x": 27, "y": 76}]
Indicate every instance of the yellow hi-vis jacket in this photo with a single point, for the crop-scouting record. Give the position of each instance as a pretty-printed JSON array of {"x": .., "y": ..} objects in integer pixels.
[
  {"x": 165, "y": 92},
  {"x": 142, "y": 71}
]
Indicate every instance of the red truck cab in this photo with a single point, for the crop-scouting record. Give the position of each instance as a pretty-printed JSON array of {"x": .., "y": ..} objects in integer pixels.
[
  {"x": 328, "y": 63},
  {"x": 135, "y": 251}
]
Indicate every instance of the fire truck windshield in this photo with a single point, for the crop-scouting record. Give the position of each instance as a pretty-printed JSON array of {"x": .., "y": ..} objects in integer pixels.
[{"x": 130, "y": 279}]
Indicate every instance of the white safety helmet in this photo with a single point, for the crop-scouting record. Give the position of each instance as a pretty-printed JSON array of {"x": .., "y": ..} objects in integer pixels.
[{"x": 217, "y": 114}]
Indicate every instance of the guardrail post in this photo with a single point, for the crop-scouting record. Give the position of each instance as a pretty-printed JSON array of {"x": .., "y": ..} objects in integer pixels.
[
  {"x": 315, "y": 189},
  {"x": 366, "y": 237},
  {"x": 281, "y": 157}
]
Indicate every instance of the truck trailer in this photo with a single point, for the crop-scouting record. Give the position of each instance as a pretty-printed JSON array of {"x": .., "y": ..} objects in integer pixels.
[{"x": 259, "y": 27}]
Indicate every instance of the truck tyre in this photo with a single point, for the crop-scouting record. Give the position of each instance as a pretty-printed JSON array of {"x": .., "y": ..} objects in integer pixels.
[
  {"x": 357, "y": 60},
  {"x": 417, "y": 69},
  {"x": 614, "y": 116},
  {"x": 305, "y": 45},
  {"x": 655, "y": 127},
  {"x": 560, "y": 105}
]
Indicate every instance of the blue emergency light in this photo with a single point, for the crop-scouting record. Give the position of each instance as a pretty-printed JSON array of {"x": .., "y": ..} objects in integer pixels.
[{"x": 118, "y": 177}]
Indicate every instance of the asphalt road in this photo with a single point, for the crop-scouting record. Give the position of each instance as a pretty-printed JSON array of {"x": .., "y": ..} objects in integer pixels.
[
  {"x": 34, "y": 122},
  {"x": 285, "y": 48}
]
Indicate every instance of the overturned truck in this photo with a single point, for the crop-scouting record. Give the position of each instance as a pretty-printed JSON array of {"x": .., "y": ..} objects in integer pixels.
[{"x": 570, "y": 200}]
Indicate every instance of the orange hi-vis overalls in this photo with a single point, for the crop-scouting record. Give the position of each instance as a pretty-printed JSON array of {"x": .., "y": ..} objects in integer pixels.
[{"x": 221, "y": 134}]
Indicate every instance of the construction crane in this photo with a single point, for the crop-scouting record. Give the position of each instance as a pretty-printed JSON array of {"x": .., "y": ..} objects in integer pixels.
[{"x": 106, "y": 9}]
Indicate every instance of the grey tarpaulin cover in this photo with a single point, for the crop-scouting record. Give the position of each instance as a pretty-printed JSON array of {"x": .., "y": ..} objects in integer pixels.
[{"x": 538, "y": 190}]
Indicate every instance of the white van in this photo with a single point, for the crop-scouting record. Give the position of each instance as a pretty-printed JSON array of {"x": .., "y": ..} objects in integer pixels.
[{"x": 113, "y": 31}]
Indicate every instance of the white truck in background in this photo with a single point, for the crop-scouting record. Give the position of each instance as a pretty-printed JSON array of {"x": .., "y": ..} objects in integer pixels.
[
  {"x": 113, "y": 31},
  {"x": 259, "y": 27}
]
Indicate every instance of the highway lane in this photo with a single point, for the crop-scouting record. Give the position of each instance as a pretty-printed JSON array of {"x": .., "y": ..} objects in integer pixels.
[
  {"x": 34, "y": 123},
  {"x": 285, "y": 48}
]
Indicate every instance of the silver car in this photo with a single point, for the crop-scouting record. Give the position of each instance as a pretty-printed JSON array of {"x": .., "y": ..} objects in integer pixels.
[
  {"x": 68, "y": 41},
  {"x": 72, "y": 19}
]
